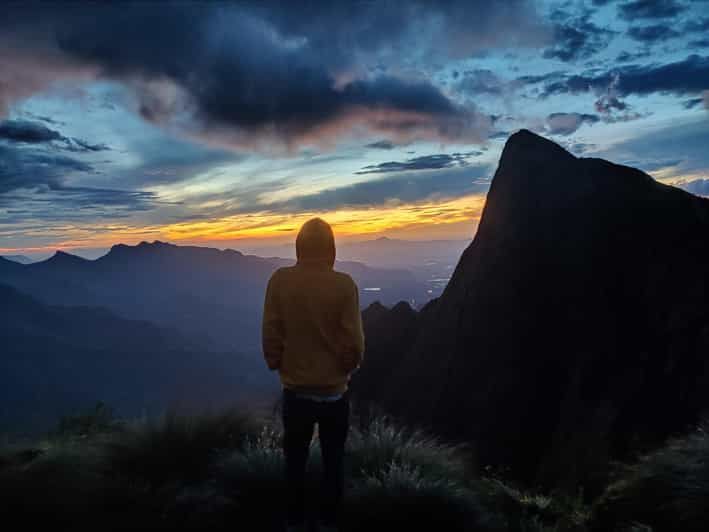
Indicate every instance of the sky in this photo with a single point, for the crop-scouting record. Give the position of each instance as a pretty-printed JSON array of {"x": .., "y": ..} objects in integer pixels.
[{"x": 229, "y": 124}]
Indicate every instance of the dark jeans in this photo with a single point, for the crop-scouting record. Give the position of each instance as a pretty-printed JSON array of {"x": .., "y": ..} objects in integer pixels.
[{"x": 299, "y": 418}]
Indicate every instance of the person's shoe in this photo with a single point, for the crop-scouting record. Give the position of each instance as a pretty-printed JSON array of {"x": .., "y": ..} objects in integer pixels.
[{"x": 322, "y": 527}]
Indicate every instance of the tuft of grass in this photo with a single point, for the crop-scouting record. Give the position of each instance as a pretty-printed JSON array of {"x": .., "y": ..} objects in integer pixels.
[
  {"x": 177, "y": 448},
  {"x": 382, "y": 444},
  {"x": 665, "y": 490},
  {"x": 98, "y": 420},
  {"x": 405, "y": 497},
  {"x": 523, "y": 510}
]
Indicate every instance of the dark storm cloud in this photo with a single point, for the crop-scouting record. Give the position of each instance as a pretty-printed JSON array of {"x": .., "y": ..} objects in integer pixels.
[
  {"x": 83, "y": 145},
  {"x": 251, "y": 72},
  {"x": 568, "y": 123},
  {"x": 650, "y": 9},
  {"x": 405, "y": 187},
  {"x": 576, "y": 37},
  {"x": 26, "y": 131},
  {"x": 28, "y": 168},
  {"x": 424, "y": 162},
  {"x": 37, "y": 180},
  {"x": 652, "y": 34},
  {"x": 381, "y": 145},
  {"x": 688, "y": 76}
]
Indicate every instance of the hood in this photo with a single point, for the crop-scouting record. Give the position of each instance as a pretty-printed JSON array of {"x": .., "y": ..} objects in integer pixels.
[{"x": 315, "y": 243}]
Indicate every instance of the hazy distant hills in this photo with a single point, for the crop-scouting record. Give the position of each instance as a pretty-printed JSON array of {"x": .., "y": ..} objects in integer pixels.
[
  {"x": 211, "y": 295},
  {"x": 59, "y": 360},
  {"x": 17, "y": 258},
  {"x": 575, "y": 327},
  {"x": 430, "y": 261}
]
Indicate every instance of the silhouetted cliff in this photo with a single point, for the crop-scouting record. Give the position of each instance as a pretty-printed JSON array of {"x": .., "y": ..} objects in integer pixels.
[{"x": 576, "y": 325}]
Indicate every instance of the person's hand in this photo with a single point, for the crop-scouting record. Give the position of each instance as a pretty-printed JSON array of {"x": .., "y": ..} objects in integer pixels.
[{"x": 349, "y": 360}]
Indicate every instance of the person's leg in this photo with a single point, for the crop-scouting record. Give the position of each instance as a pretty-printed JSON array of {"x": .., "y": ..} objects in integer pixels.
[
  {"x": 298, "y": 424},
  {"x": 333, "y": 422}
]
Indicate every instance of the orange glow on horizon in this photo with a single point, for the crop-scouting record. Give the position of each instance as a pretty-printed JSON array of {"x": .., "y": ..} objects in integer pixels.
[{"x": 347, "y": 222}]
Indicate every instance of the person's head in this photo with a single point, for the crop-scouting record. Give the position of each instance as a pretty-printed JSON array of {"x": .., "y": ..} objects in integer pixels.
[{"x": 315, "y": 242}]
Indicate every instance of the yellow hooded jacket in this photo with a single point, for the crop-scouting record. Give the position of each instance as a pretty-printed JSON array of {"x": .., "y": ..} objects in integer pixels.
[{"x": 312, "y": 326}]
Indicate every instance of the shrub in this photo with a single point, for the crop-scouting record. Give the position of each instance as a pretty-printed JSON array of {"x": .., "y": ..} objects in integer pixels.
[
  {"x": 100, "y": 419},
  {"x": 405, "y": 497},
  {"x": 665, "y": 490},
  {"x": 177, "y": 448},
  {"x": 381, "y": 444}
]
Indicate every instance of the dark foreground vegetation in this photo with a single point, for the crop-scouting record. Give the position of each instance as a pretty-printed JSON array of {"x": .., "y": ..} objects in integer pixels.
[{"x": 223, "y": 471}]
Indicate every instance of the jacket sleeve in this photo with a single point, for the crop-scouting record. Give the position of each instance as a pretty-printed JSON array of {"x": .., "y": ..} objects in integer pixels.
[
  {"x": 272, "y": 326},
  {"x": 353, "y": 340}
]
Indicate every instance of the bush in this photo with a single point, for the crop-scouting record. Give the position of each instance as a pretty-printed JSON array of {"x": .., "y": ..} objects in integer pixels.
[
  {"x": 381, "y": 444},
  {"x": 666, "y": 490},
  {"x": 99, "y": 420},
  {"x": 177, "y": 448},
  {"x": 404, "y": 497},
  {"x": 66, "y": 486}
]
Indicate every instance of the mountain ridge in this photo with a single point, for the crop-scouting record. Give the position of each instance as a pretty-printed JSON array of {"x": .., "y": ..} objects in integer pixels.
[{"x": 569, "y": 288}]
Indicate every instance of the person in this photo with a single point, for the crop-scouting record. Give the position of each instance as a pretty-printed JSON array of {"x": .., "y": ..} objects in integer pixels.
[{"x": 312, "y": 334}]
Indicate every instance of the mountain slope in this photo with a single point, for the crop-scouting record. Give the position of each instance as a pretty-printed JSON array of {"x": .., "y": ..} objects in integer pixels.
[
  {"x": 576, "y": 325},
  {"x": 56, "y": 360},
  {"x": 21, "y": 259},
  {"x": 209, "y": 294}
]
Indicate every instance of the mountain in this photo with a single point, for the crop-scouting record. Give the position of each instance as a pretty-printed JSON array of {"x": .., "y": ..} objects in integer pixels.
[
  {"x": 59, "y": 360},
  {"x": 206, "y": 293},
  {"x": 575, "y": 328},
  {"x": 17, "y": 258},
  {"x": 430, "y": 261}
]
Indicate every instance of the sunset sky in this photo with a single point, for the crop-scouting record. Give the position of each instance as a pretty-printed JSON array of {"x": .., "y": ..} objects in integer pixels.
[{"x": 229, "y": 124}]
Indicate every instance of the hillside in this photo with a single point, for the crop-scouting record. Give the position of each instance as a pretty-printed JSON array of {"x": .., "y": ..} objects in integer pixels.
[
  {"x": 575, "y": 328},
  {"x": 58, "y": 360},
  {"x": 211, "y": 295}
]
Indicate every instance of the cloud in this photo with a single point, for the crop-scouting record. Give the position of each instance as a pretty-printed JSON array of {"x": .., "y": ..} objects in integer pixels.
[
  {"x": 424, "y": 162},
  {"x": 700, "y": 187},
  {"x": 403, "y": 187},
  {"x": 266, "y": 73},
  {"x": 682, "y": 145},
  {"x": 26, "y": 131},
  {"x": 36, "y": 184},
  {"x": 83, "y": 145},
  {"x": 652, "y": 34},
  {"x": 687, "y": 76},
  {"x": 568, "y": 123},
  {"x": 381, "y": 145},
  {"x": 650, "y": 9},
  {"x": 626, "y": 57},
  {"x": 697, "y": 25},
  {"x": 480, "y": 81},
  {"x": 576, "y": 37}
]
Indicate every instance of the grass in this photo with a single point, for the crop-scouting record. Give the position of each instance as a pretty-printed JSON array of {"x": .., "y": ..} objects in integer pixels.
[
  {"x": 222, "y": 471},
  {"x": 665, "y": 490}
]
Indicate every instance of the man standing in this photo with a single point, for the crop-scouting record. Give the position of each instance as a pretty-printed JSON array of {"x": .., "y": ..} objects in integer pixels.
[{"x": 312, "y": 334}]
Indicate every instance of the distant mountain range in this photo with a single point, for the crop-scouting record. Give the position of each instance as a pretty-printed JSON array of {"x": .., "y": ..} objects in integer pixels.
[
  {"x": 430, "y": 261},
  {"x": 575, "y": 329},
  {"x": 17, "y": 258},
  {"x": 215, "y": 296},
  {"x": 60, "y": 360}
]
